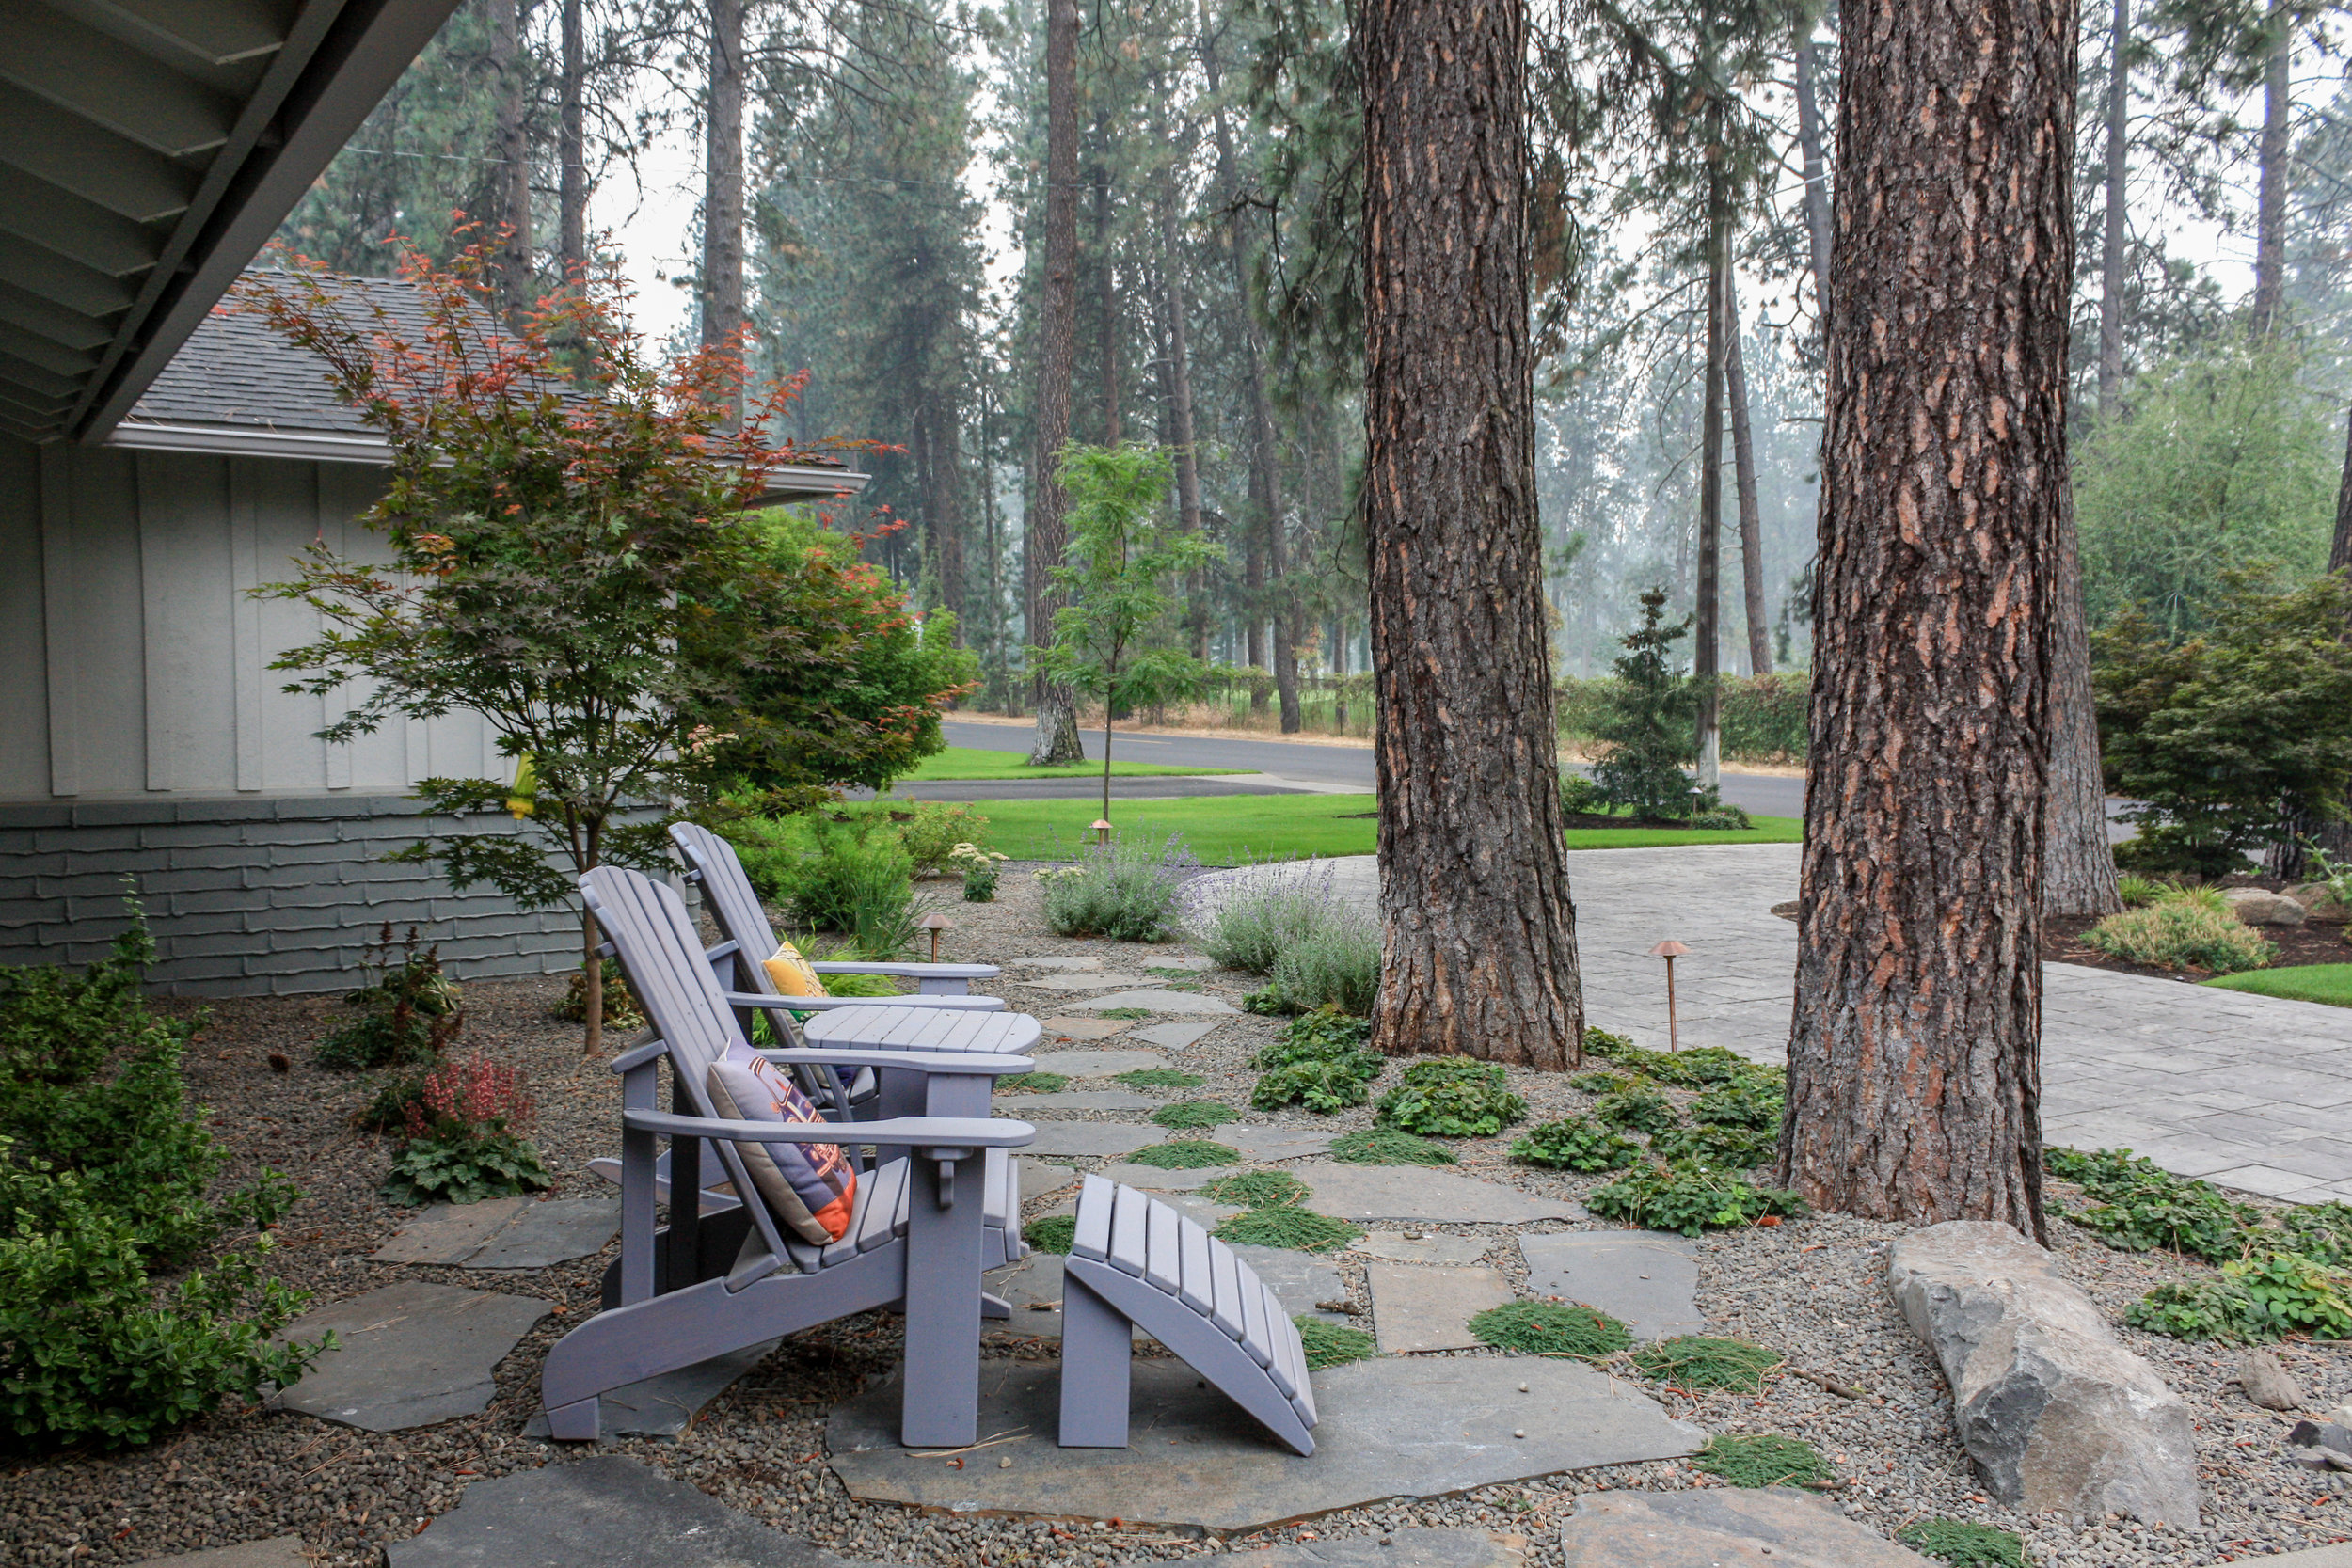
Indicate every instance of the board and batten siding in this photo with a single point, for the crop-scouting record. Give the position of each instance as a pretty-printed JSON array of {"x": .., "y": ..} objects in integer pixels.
[{"x": 143, "y": 735}]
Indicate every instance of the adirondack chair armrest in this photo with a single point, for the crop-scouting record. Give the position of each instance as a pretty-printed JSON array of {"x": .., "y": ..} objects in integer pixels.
[
  {"x": 910, "y": 972},
  {"x": 922, "y": 1134},
  {"x": 969, "y": 1063},
  {"x": 650, "y": 1047},
  {"x": 826, "y": 1003},
  {"x": 726, "y": 949}
]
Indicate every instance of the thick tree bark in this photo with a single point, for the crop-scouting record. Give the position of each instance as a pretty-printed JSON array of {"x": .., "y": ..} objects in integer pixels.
[
  {"x": 1478, "y": 933},
  {"x": 572, "y": 148},
  {"x": 1744, "y": 469},
  {"x": 1106, "y": 285},
  {"x": 2077, "y": 862},
  {"x": 1048, "y": 528},
  {"x": 1706, "y": 641},
  {"x": 723, "y": 179},
  {"x": 1817, "y": 225},
  {"x": 2112, "y": 239},
  {"x": 2270, "y": 198},
  {"x": 1913, "y": 1061},
  {"x": 511, "y": 173}
]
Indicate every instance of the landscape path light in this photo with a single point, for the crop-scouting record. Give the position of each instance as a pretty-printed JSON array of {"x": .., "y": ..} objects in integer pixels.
[
  {"x": 934, "y": 923},
  {"x": 1670, "y": 950},
  {"x": 1102, "y": 830}
]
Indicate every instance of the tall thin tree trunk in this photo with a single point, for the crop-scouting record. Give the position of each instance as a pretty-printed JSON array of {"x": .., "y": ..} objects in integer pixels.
[
  {"x": 1809, "y": 148},
  {"x": 2112, "y": 239},
  {"x": 2339, "y": 551},
  {"x": 1913, "y": 1060},
  {"x": 939, "y": 456},
  {"x": 1743, "y": 468},
  {"x": 1706, "y": 648},
  {"x": 1478, "y": 933},
  {"x": 1048, "y": 527},
  {"x": 1106, "y": 290},
  {"x": 1180, "y": 404},
  {"x": 572, "y": 148},
  {"x": 2270, "y": 200},
  {"x": 512, "y": 171},
  {"x": 2077, "y": 862},
  {"x": 723, "y": 179}
]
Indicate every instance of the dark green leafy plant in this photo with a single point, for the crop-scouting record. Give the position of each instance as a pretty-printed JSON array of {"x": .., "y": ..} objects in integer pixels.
[
  {"x": 1195, "y": 1113},
  {"x": 1644, "y": 1110},
  {"x": 1701, "y": 1361},
  {"x": 2298, "y": 1295},
  {"x": 1699, "y": 1067},
  {"x": 2136, "y": 1205},
  {"x": 408, "y": 1011},
  {"x": 1690, "y": 1198},
  {"x": 1600, "y": 1042},
  {"x": 1576, "y": 1143},
  {"x": 2320, "y": 1231},
  {"x": 1741, "y": 1103},
  {"x": 1330, "y": 1344},
  {"x": 2202, "y": 1309},
  {"x": 1764, "y": 1459},
  {"x": 1451, "y": 1097},
  {"x": 388, "y": 1111},
  {"x": 1387, "y": 1145},
  {"x": 465, "y": 1138},
  {"x": 1551, "y": 1328},
  {"x": 1963, "y": 1544},
  {"x": 1300, "y": 1229},
  {"x": 1318, "y": 1035},
  {"x": 1332, "y": 1084},
  {"x": 1722, "y": 1147},
  {"x": 1160, "y": 1078},
  {"x": 1184, "y": 1154},
  {"x": 620, "y": 1003},
  {"x": 1033, "y": 1083},
  {"x": 1257, "y": 1189},
  {"x": 1601, "y": 1083},
  {"x": 1053, "y": 1233}
]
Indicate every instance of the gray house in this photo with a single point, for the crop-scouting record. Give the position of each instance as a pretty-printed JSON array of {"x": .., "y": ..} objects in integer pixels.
[{"x": 159, "y": 459}]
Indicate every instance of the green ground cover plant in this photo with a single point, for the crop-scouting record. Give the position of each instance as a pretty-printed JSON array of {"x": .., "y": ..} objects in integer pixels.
[
  {"x": 1691, "y": 1198},
  {"x": 1195, "y": 1113},
  {"x": 1300, "y": 1229},
  {"x": 466, "y": 1140},
  {"x": 1642, "y": 1109},
  {"x": 1702, "y": 1361},
  {"x": 1257, "y": 1189},
  {"x": 1184, "y": 1154},
  {"x": 1125, "y": 1015},
  {"x": 1576, "y": 1143},
  {"x": 1722, "y": 1147},
  {"x": 1319, "y": 1062},
  {"x": 1330, "y": 1344},
  {"x": 2184, "y": 928},
  {"x": 1389, "y": 1145},
  {"x": 1160, "y": 1078},
  {"x": 1601, "y": 1083},
  {"x": 1551, "y": 1328},
  {"x": 1756, "y": 1102},
  {"x": 1963, "y": 1544},
  {"x": 2328, "y": 983},
  {"x": 1125, "y": 890},
  {"x": 2136, "y": 1205},
  {"x": 1053, "y": 1233},
  {"x": 1765, "y": 1459},
  {"x": 1452, "y": 1098},
  {"x": 1033, "y": 1083}
]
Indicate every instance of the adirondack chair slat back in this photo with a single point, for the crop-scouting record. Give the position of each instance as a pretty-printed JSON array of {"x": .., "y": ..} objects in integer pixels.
[{"x": 728, "y": 894}]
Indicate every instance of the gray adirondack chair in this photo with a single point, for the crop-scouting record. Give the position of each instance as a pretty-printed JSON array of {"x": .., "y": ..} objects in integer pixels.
[{"x": 922, "y": 1230}]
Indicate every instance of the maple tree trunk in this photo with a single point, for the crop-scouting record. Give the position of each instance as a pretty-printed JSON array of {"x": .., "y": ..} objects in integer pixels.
[
  {"x": 1707, "y": 639},
  {"x": 1048, "y": 528},
  {"x": 1914, "y": 1059},
  {"x": 2270, "y": 198},
  {"x": 1743, "y": 467},
  {"x": 1478, "y": 934},
  {"x": 723, "y": 179},
  {"x": 512, "y": 176},
  {"x": 2112, "y": 238}
]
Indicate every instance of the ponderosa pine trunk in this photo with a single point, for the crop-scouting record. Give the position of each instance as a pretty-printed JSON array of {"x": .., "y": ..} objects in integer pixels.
[
  {"x": 2340, "y": 552},
  {"x": 1180, "y": 420},
  {"x": 1478, "y": 933},
  {"x": 2270, "y": 195},
  {"x": 1048, "y": 530},
  {"x": 2113, "y": 236},
  {"x": 571, "y": 201},
  {"x": 1707, "y": 635},
  {"x": 511, "y": 172},
  {"x": 723, "y": 179},
  {"x": 1809, "y": 148},
  {"x": 1744, "y": 472},
  {"x": 1914, "y": 1059},
  {"x": 2077, "y": 862}
]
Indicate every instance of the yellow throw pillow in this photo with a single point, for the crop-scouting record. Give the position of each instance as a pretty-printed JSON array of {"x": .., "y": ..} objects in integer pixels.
[{"x": 791, "y": 974}]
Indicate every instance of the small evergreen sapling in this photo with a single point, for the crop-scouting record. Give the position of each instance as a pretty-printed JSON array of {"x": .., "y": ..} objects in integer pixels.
[{"x": 1651, "y": 728}]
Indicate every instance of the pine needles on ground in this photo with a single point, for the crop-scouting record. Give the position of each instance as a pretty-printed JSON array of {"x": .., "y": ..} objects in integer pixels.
[
  {"x": 1964, "y": 1544},
  {"x": 1257, "y": 1189},
  {"x": 1763, "y": 1460},
  {"x": 1160, "y": 1078},
  {"x": 1300, "y": 1229},
  {"x": 1698, "y": 1361},
  {"x": 1195, "y": 1113},
  {"x": 1184, "y": 1154},
  {"x": 1330, "y": 1344},
  {"x": 1053, "y": 1233},
  {"x": 1551, "y": 1328},
  {"x": 1389, "y": 1145}
]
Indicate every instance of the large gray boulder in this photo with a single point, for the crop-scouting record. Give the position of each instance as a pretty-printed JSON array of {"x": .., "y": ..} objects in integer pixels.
[
  {"x": 2260, "y": 907},
  {"x": 2054, "y": 1411}
]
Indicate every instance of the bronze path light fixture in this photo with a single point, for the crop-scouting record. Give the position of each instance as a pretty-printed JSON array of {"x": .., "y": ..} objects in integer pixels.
[
  {"x": 934, "y": 923},
  {"x": 1670, "y": 950}
]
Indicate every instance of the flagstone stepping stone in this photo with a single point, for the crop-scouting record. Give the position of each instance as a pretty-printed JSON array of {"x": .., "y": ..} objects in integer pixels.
[
  {"x": 607, "y": 1510},
  {"x": 1096, "y": 1064},
  {"x": 1388, "y": 1427},
  {"x": 408, "y": 1355},
  {"x": 1723, "y": 1526},
  {"x": 1085, "y": 1028},
  {"x": 1414, "y": 1247},
  {"x": 1083, "y": 1138},
  {"x": 1272, "y": 1141},
  {"x": 504, "y": 1234},
  {"x": 1417, "y": 1193},
  {"x": 1405, "y": 1548},
  {"x": 1038, "y": 1178},
  {"x": 1648, "y": 1279},
  {"x": 1066, "y": 965},
  {"x": 1299, "y": 1280},
  {"x": 1195, "y": 965},
  {"x": 279, "y": 1551},
  {"x": 1073, "y": 1102},
  {"x": 1175, "y": 1036},
  {"x": 1163, "y": 1002},
  {"x": 1087, "y": 982},
  {"x": 1420, "y": 1306},
  {"x": 1153, "y": 1180}
]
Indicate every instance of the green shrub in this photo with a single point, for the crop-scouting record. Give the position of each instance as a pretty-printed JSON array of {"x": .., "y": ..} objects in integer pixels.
[
  {"x": 1389, "y": 1145},
  {"x": 1160, "y": 1078},
  {"x": 1126, "y": 889},
  {"x": 1580, "y": 796},
  {"x": 408, "y": 1011},
  {"x": 621, "y": 1011},
  {"x": 2137, "y": 892},
  {"x": 465, "y": 1138},
  {"x": 2136, "y": 1205},
  {"x": 1601, "y": 1083},
  {"x": 1195, "y": 1113},
  {"x": 2298, "y": 1295},
  {"x": 1551, "y": 1328},
  {"x": 1702, "y": 1361},
  {"x": 1249, "y": 922},
  {"x": 1688, "y": 1199},
  {"x": 1451, "y": 1097},
  {"x": 1763, "y": 1460},
  {"x": 1033, "y": 1083},
  {"x": 1722, "y": 816},
  {"x": 1644, "y": 1110},
  {"x": 1337, "y": 965},
  {"x": 1318, "y": 1035},
  {"x": 861, "y": 985},
  {"x": 1300, "y": 1229},
  {"x": 1330, "y": 1344},
  {"x": 1184, "y": 1154},
  {"x": 832, "y": 876},
  {"x": 2186, "y": 928},
  {"x": 982, "y": 869},
  {"x": 1600, "y": 1042},
  {"x": 1053, "y": 1233},
  {"x": 2203, "y": 1309},
  {"x": 1257, "y": 1189},
  {"x": 1646, "y": 729},
  {"x": 1963, "y": 1544},
  {"x": 933, "y": 831},
  {"x": 1576, "y": 1143}
]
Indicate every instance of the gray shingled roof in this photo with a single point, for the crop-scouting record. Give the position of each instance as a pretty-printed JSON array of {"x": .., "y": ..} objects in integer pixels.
[{"x": 238, "y": 369}]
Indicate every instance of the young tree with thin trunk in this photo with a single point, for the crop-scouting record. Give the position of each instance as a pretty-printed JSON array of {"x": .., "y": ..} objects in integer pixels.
[
  {"x": 1478, "y": 934},
  {"x": 1047, "y": 530},
  {"x": 1913, "y": 1061}
]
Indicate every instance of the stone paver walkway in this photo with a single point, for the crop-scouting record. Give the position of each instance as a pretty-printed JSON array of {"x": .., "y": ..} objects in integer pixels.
[{"x": 2251, "y": 1092}]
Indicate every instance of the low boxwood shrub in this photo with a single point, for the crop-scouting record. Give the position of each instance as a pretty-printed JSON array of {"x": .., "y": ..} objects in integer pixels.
[
  {"x": 1451, "y": 1097},
  {"x": 1690, "y": 1198},
  {"x": 1126, "y": 889},
  {"x": 1576, "y": 1143},
  {"x": 1551, "y": 1328},
  {"x": 2183, "y": 928},
  {"x": 1389, "y": 1145}
]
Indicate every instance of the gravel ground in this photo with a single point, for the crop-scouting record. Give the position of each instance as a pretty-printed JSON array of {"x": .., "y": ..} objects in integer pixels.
[{"x": 1810, "y": 1289}]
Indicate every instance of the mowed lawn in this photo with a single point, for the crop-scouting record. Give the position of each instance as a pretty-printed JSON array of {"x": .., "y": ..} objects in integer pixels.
[
  {"x": 971, "y": 762},
  {"x": 1232, "y": 830},
  {"x": 2328, "y": 983}
]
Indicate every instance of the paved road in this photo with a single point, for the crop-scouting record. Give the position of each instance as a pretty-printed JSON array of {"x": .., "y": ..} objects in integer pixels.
[{"x": 2248, "y": 1091}]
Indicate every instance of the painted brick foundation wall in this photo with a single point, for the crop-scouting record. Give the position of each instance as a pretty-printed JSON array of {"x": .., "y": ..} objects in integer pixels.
[{"x": 253, "y": 897}]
